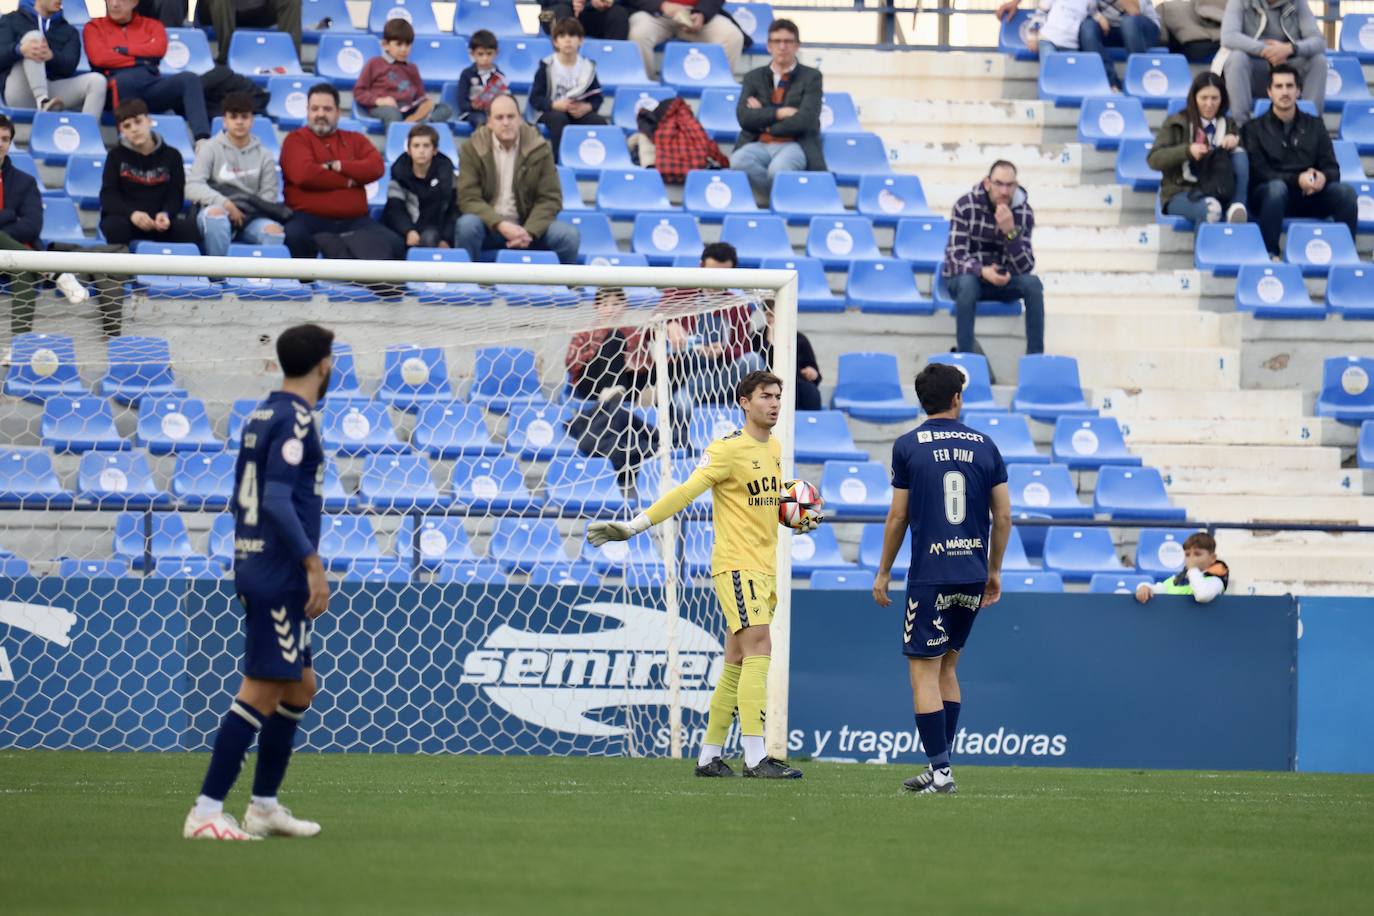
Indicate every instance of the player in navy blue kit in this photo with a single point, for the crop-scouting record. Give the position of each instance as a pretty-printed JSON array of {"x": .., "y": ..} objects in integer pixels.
[
  {"x": 950, "y": 485},
  {"x": 277, "y": 501}
]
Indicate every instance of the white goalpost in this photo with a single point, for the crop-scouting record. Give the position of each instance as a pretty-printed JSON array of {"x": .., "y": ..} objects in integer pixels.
[{"x": 480, "y": 416}]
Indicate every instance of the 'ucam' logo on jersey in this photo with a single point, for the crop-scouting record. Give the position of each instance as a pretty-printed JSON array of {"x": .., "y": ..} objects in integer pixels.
[
  {"x": 555, "y": 679},
  {"x": 50, "y": 623}
]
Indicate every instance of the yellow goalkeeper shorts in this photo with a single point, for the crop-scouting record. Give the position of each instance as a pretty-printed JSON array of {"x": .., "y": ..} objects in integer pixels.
[{"x": 747, "y": 599}]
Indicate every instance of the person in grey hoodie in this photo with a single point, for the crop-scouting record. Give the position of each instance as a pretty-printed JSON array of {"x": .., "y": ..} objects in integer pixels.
[
  {"x": 1259, "y": 34},
  {"x": 234, "y": 181}
]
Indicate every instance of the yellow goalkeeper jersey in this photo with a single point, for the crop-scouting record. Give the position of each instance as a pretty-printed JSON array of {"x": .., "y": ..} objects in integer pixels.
[{"x": 745, "y": 477}]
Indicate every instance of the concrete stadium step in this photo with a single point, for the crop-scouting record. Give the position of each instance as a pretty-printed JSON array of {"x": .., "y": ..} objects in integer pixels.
[
  {"x": 1148, "y": 367},
  {"x": 1224, "y": 481},
  {"x": 1335, "y": 510},
  {"x": 1084, "y": 205},
  {"x": 1149, "y": 292},
  {"x": 1183, "y": 404},
  {"x": 1115, "y": 330},
  {"x": 1115, "y": 249},
  {"x": 1275, "y": 458},
  {"x": 964, "y": 163},
  {"x": 906, "y": 120},
  {"x": 1295, "y": 431},
  {"x": 925, "y": 74}
]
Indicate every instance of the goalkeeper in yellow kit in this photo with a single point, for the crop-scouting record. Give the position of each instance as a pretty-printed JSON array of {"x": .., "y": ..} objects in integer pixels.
[{"x": 744, "y": 472}]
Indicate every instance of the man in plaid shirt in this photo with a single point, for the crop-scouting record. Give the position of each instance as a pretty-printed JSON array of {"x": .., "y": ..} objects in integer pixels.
[{"x": 989, "y": 256}]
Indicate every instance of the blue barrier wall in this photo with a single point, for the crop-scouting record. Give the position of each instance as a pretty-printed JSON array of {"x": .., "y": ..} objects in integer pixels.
[{"x": 1336, "y": 685}]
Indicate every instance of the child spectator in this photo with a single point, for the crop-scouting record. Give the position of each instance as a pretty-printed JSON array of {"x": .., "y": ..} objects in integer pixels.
[
  {"x": 566, "y": 90},
  {"x": 234, "y": 181},
  {"x": 144, "y": 185},
  {"x": 390, "y": 88},
  {"x": 481, "y": 82},
  {"x": 421, "y": 203},
  {"x": 1203, "y": 576}
]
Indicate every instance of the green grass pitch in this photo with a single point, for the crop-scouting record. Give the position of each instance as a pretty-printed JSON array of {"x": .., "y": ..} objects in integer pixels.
[{"x": 100, "y": 833}]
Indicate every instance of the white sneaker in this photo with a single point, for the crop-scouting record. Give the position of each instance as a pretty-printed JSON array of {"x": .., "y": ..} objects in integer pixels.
[
  {"x": 277, "y": 822},
  {"x": 221, "y": 826},
  {"x": 1213, "y": 210},
  {"x": 72, "y": 288},
  {"x": 1236, "y": 213}
]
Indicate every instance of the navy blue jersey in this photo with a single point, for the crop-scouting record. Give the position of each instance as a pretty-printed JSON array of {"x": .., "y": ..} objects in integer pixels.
[
  {"x": 948, "y": 471},
  {"x": 278, "y": 495}
]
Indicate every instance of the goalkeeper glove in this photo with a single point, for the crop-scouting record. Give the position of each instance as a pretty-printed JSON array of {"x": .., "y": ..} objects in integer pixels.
[
  {"x": 811, "y": 521},
  {"x": 599, "y": 533}
]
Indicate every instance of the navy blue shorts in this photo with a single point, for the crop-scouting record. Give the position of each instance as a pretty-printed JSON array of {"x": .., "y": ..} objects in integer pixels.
[
  {"x": 938, "y": 618},
  {"x": 276, "y": 644}
]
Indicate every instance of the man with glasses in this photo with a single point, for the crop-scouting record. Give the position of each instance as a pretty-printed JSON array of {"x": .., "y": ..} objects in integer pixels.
[
  {"x": 989, "y": 256},
  {"x": 779, "y": 115}
]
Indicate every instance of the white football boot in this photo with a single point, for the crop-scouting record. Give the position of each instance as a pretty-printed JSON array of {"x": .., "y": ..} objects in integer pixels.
[
  {"x": 277, "y": 822},
  {"x": 220, "y": 826}
]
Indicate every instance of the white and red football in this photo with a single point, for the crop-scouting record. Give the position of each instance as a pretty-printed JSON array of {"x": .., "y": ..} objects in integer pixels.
[{"x": 799, "y": 505}]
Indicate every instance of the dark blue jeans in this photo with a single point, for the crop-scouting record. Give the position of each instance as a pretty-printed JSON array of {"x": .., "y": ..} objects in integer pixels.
[
  {"x": 1272, "y": 201},
  {"x": 180, "y": 93},
  {"x": 302, "y": 226},
  {"x": 967, "y": 289},
  {"x": 1137, "y": 34}
]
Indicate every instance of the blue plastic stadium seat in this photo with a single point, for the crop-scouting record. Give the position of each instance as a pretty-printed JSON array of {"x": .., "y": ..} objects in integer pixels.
[
  {"x": 629, "y": 103},
  {"x": 634, "y": 295},
  {"x": 319, "y": 17},
  {"x": 520, "y": 60},
  {"x": 596, "y": 236},
  {"x": 79, "y": 424},
  {"x": 336, "y": 499},
  {"x": 504, "y": 378},
  {"x": 697, "y": 540},
  {"x": 167, "y": 425},
  {"x": 1306, "y": 106},
  {"x": 842, "y": 580},
  {"x": 1176, "y": 223},
  {"x": 1159, "y": 552},
  {"x": 538, "y": 433},
  {"x": 419, "y": 13},
  {"x": 1088, "y": 443},
  {"x": 519, "y": 544},
  {"x": 799, "y": 196},
  {"x": 713, "y": 194},
  {"x": 475, "y": 572},
  {"x": 58, "y": 135},
  {"x": 886, "y": 286},
  {"x": 1014, "y": 559},
  {"x": 413, "y": 375},
  {"x": 399, "y": 482},
  {"x": 341, "y": 58},
  {"x": 839, "y": 113},
  {"x": 343, "y": 381},
  {"x": 1316, "y": 247},
  {"x": 690, "y": 67},
  {"x": 619, "y": 64},
  {"x": 623, "y": 193},
  {"x": 1276, "y": 291},
  {"x": 1032, "y": 536},
  {"x": 648, "y": 483},
  {"x": 42, "y": 365},
  {"x": 1046, "y": 488},
  {"x": 869, "y": 387},
  {"x": 441, "y": 292},
  {"x": 977, "y": 380},
  {"x": 855, "y": 488},
  {"x": 386, "y": 570},
  {"x": 1105, "y": 123},
  {"x": 1133, "y": 168},
  {"x": 158, "y": 286},
  {"x": 717, "y": 113},
  {"x": 711, "y": 423},
  {"x": 222, "y": 538},
  {"x": 396, "y": 136},
  {"x": 754, "y": 20},
  {"x": 1365, "y": 450},
  {"x": 871, "y": 548},
  {"x": 1078, "y": 554},
  {"x": 1011, "y": 37},
  {"x": 531, "y": 293},
  {"x": 74, "y": 567},
  {"x": 452, "y": 429},
  {"x": 817, "y": 550},
  {"x": 1349, "y": 292},
  {"x": 853, "y": 156},
  {"x": 83, "y": 178},
  {"x": 1223, "y": 248},
  {"x": 813, "y": 289},
  {"x": 1069, "y": 77},
  {"x": 1345, "y": 393},
  {"x": 345, "y": 539},
  {"x": 885, "y": 199},
  {"x": 287, "y": 99},
  {"x": 823, "y": 435},
  {"x": 1348, "y": 161},
  {"x": 168, "y": 537},
  {"x": 922, "y": 241},
  {"x": 442, "y": 539},
  {"x": 572, "y": 195},
  {"x": 1357, "y": 125},
  {"x": 944, "y": 300},
  {"x": 840, "y": 241},
  {"x": 1344, "y": 81},
  {"x": 193, "y": 566},
  {"x": 62, "y": 223},
  {"x": 139, "y": 366},
  {"x": 1010, "y": 432},
  {"x": 1033, "y": 582},
  {"x": 491, "y": 485},
  {"x": 567, "y": 574},
  {"x": 615, "y": 557},
  {"x": 757, "y": 237},
  {"x": 118, "y": 480},
  {"x": 260, "y": 55},
  {"x": 29, "y": 481},
  {"x": 1134, "y": 493},
  {"x": 176, "y": 134},
  {"x": 1157, "y": 79},
  {"x": 585, "y": 486},
  {"x": 358, "y": 428},
  {"x": 589, "y": 150},
  {"x": 24, "y": 161},
  {"x": 441, "y": 59},
  {"x": 265, "y": 288},
  {"x": 1110, "y": 584},
  {"x": 1049, "y": 388},
  {"x": 203, "y": 480},
  {"x": 1357, "y": 36}
]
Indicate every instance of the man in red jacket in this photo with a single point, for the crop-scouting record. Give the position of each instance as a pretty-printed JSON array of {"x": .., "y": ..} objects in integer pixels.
[
  {"x": 128, "y": 48},
  {"x": 327, "y": 171}
]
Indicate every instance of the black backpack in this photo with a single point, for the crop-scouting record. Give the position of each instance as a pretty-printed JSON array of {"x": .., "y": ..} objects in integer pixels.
[
  {"x": 1216, "y": 177},
  {"x": 221, "y": 81}
]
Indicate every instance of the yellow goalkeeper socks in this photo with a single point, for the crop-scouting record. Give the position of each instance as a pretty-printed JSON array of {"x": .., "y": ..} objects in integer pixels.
[
  {"x": 753, "y": 698},
  {"x": 723, "y": 701}
]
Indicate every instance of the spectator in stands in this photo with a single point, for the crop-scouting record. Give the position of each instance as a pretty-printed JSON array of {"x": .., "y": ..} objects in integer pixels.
[
  {"x": 760, "y": 357},
  {"x": 127, "y": 47},
  {"x": 21, "y": 223},
  {"x": 421, "y": 201},
  {"x": 609, "y": 360},
  {"x": 603, "y": 19},
  {"x": 226, "y": 15},
  {"x": 779, "y": 112},
  {"x": 143, "y": 188},
  {"x": 1188, "y": 150},
  {"x": 327, "y": 171},
  {"x": 171, "y": 13},
  {"x": 481, "y": 82},
  {"x": 1056, "y": 23},
  {"x": 989, "y": 256},
  {"x": 1293, "y": 165},
  {"x": 566, "y": 90},
  {"x": 508, "y": 189},
  {"x": 234, "y": 182},
  {"x": 390, "y": 88},
  {"x": 657, "y": 21},
  {"x": 1193, "y": 27},
  {"x": 39, "y": 53},
  {"x": 1203, "y": 576},
  {"x": 1257, "y": 35},
  {"x": 1132, "y": 24},
  {"x": 705, "y": 349}
]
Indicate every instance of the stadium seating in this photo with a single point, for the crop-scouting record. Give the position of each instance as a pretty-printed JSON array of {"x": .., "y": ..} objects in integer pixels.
[
  {"x": 1134, "y": 493},
  {"x": 885, "y": 199},
  {"x": 491, "y": 485},
  {"x": 203, "y": 481},
  {"x": 588, "y": 150},
  {"x": 1350, "y": 292},
  {"x": 1275, "y": 291},
  {"x": 287, "y": 100},
  {"x": 871, "y": 548},
  {"x": 711, "y": 195},
  {"x": 539, "y": 434},
  {"x": 663, "y": 237},
  {"x": 756, "y": 238},
  {"x": 56, "y": 136},
  {"x": 387, "y": 570},
  {"x": 138, "y": 535},
  {"x": 717, "y": 112},
  {"x": 572, "y": 195},
  {"x": 623, "y": 193},
  {"x": 851, "y": 157},
  {"x": 83, "y": 178},
  {"x": 340, "y": 58},
  {"x": 596, "y": 236},
  {"x": 1109, "y": 584},
  {"x": 79, "y": 424},
  {"x": 440, "y": 292},
  {"x": 1011, "y": 36},
  {"x": 505, "y": 377},
  {"x": 343, "y": 380},
  {"x": 886, "y": 286},
  {"x": 564, "y": 575},
  {"x": 977, "y": 380},
  {"x": 1223, "y": 248},
  {"x": 697, "y": 539},
  {"x": 262, "y": 128},
  {"x": 531, "y": 293},
  {"x": 1133, "y": 168},
  {"x": 520, "y": 544},
  {"x": 1364, "y": 451},
  {"x": 1306, "y": 106},
  {"x": 1357, "y": 36},
  {"x": 189, "y": 567},
  {"x": 399, "y": 482},
  {"x": 453, "y": 429},
  {"x": 1318, "y": 246},
  {"x": 335, "y": 498},
  {"x": 1032, "y": 582},
  {"x": 396, "y": 136},
  {"x": 619, "y": 65},
  {"x": 870, "y": 388},
  {"x": 1069, "y": 77},
  {"x": 158, "y": 286},
  {"x": 855, "y": 488},
  {"x": 690, "y": 67},
  {"x": 813, "y": 289},
  {"x": 648, "y": 484},
  {"x": 520, "y": 60},
  {"x": 1357, "y": 125},
  {"x": 1105, "y": 123},
  {"x": 475, "y": 572},
  {"x": 167, "y": 425},
  {"x": 442, "y": 540},
  {"x": 823, "y": 435},
  {"x": 1032, "y": 535},
  {"x": 321, "y": 16},
  {"x": 627, "y": 105},
  {"x": 859, "y": 580},
  {"x": 413, "y": 376},
  {"x": 261, "y": 55},
  {"x": 1088, "y": 443},
  {"x": 922, "y": 240},
  {"x": 1345, "y": 393},
  {"x": 353, "y": 428},
  {"x": 1159, "y": 552},
  {"x": 1158, "y": 79},
  {"x": 118, "y": 480},
  {"x": 1344, "y": 81},
  {"x": 754, "y": 19},
  {"x": 1014, "y": 559},
  {"x": 815, "y": 551},
  {"x": 1049, "y": 388},
  {"x": 28, "y": 480},
  {"x": 1046, "y": 489},
  {"x": 800, "y": 196},
  {"x": 1348, "y": 160},
  {"x": 1078, "y": 554},
  {"x": 61, "y": 223},
  {"x": 1010, "y": 432},
  {"x": 945, "y": 300},
  {"x": 839, "y": 113},
  {"x": 709, "y": 423},
  {"x": 139, "y": 366},
  {"x": 418, "y": 13},
  {"x": 42, "y": 365},
  {"x": 840, "y": 241},
  {"x": 346, "y": 539},
  {"x": 617, "y": 556}
]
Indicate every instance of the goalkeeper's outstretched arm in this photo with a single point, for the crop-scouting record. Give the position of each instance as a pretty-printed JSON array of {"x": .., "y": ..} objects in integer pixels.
[{"x": 673, "y": 502}]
